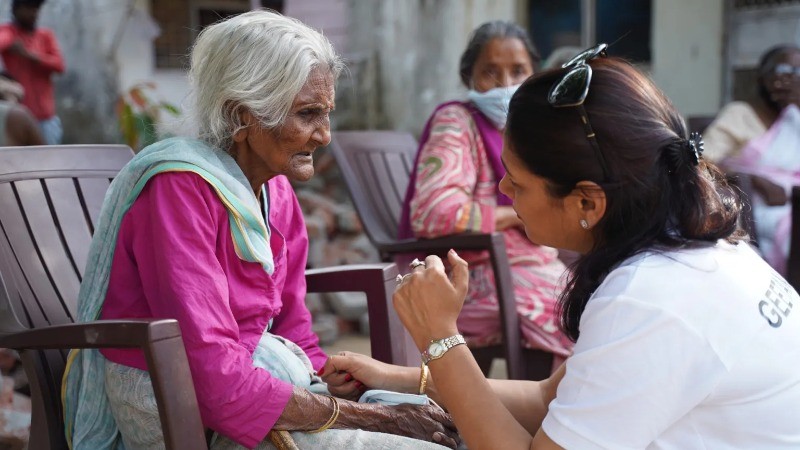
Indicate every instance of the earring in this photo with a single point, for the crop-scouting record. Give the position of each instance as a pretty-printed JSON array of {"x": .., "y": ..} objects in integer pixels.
[{"x": 584, "y": 224}]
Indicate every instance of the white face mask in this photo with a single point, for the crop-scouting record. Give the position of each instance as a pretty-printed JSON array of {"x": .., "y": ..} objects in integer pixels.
[{"x": 494, "y": 103}]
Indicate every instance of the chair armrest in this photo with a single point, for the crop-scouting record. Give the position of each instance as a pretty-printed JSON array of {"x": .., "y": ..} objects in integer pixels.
[
  {"x": 166, "y": 360},
  {"x": 793, "y": 262},
  {"x": 463, "y": 241},
  {"x": 349, "y": 278},
  {"x": 97, "y": 334},
  {"x": 389, "y": 341}
]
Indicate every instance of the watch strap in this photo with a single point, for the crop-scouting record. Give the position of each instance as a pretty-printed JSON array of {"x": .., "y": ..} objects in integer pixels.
[{"x": 447, "y": 343}]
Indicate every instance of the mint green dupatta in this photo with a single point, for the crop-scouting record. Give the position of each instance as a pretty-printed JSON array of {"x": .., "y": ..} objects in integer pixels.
[{"x": 89, "y": 423}]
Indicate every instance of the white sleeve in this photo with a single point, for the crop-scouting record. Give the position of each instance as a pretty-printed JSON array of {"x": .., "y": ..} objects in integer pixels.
[{"x": 635, "y": 370}]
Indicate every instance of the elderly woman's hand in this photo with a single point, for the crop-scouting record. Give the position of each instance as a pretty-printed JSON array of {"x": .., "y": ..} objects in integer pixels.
[
  {"x": 425, "y": 422},
  {"x": 428, "y": 302},
  {"x": 306, "y": 411}
]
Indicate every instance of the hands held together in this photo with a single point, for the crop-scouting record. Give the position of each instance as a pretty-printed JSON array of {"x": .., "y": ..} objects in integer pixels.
[
  {"x": 349, "y": 374},
  {"x": 428, "y": 303}
]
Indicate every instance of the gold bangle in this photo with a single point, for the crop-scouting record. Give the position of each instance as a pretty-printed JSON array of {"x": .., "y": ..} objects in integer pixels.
[
  {"x": 423, "y": 378},
  {"x": 333, "y": 418}
]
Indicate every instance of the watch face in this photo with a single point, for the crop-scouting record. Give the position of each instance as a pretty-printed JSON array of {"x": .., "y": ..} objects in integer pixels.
[{"x": 436, "y": 349}]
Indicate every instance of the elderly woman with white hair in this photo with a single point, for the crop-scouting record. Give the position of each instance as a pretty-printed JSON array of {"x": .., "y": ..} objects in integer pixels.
[{"x": 209, "y": 232}]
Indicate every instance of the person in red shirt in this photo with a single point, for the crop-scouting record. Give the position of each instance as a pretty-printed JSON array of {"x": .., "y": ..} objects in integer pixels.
[
  {"x": 17, "y": 124},
  {"x": 31, "y": 55}
]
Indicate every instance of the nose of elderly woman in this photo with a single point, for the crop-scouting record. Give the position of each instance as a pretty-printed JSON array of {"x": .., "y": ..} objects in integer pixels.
[{"x": 322, "y": 135}]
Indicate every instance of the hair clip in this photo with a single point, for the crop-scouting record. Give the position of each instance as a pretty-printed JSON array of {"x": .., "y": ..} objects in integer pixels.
[{"x": 695, "y": 146}]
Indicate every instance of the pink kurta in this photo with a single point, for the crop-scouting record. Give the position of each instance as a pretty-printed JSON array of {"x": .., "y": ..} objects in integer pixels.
[
  {"x": 456, "y": 192},
  {"x": 175, "y": 258}
]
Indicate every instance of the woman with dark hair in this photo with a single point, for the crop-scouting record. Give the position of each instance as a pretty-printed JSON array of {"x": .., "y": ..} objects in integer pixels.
[
  {"x": 454, "y": 189},
  {"x": 760, "y": 138},
  {"x": 685, "y": 337}
]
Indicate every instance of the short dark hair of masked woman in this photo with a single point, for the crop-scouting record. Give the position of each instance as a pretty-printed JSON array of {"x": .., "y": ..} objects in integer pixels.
[{"x": 656, "y": 198}]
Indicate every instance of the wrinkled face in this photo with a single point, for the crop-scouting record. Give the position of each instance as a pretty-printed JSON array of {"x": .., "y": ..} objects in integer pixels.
[
  {"x": 288, "y": 150},
  {"x": 783, "y": 80},
  {"x": 26, "y": 16},
  {"x": 549, "y": 221},
  {"x": 502, "y": 63}
]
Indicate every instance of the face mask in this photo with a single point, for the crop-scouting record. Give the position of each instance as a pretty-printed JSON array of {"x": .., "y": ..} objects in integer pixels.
[{"x": 493, "y": 103}]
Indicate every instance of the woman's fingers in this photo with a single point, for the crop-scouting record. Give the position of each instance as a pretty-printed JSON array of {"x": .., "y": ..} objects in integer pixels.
[
  {"x": 434, "y": 262},
  {"x": 340, "y": 365},
  {"x": 460, "y": 273},
  {"x": 447, "y": 433},
  {"x": 445, "y": 440},
  {"x": 349, "y": 375}
]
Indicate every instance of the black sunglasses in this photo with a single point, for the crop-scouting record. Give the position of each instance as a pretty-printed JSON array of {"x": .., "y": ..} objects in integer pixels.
[{"x": 571, "y": 91}]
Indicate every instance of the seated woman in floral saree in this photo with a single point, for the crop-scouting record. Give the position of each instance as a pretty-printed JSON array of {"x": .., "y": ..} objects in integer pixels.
[{"x": 453, "y": 189}]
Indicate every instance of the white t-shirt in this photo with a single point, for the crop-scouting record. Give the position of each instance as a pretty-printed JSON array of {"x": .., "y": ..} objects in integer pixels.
[{"x": 691, "y": 349}]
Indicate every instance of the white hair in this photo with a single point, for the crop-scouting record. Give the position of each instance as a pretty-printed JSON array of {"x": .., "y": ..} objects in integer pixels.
[{"x": 259, "y": 61}]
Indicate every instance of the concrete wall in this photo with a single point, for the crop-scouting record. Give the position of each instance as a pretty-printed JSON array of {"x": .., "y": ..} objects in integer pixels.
[
  {"x": 403, "y": 56},
  {"x": 753, "y": 31},
  {"x": 86, "y": 92},
  {"x": 136, "y": 54},
  {"x": 410, "y": 51},
  {"x": 687, "y": 53}
]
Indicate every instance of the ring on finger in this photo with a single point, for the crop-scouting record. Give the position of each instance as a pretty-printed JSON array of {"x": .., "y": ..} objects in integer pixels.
[
  {"x": 399, "y": 278},
  {"x": 416, "y": 263}
]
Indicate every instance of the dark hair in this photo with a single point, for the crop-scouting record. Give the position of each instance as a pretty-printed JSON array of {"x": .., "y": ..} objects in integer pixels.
[
  {"x": 485, "y": 33},
  {"x": 765, "y": 65},
  {"x": 656, "y": 197}
]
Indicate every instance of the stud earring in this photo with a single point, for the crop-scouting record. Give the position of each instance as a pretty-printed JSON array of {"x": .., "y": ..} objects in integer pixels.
[{"x": 584, "y": 224}]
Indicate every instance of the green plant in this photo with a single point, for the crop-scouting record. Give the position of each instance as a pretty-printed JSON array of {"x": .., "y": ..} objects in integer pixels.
[{"x": 139, "y": 114}]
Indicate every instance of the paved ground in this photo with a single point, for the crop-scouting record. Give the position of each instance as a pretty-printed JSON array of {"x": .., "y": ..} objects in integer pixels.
[{"x": 359, "y": 343}]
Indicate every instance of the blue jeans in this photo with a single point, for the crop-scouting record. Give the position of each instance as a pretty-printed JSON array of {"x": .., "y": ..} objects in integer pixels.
[{"x": 51, "y": 130}]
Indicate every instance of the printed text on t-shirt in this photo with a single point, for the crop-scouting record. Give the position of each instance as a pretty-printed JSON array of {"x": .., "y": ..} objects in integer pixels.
[{"x": 777, "y": 302}]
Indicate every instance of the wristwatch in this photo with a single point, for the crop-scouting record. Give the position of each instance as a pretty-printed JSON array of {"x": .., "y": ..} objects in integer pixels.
[{"x": 438, "y": 347}]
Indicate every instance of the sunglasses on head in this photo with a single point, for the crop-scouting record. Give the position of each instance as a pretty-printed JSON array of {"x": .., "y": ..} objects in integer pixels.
[{"x": 571, "y": 91}]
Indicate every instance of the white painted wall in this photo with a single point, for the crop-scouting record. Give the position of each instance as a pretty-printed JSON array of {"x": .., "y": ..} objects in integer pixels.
[
  {"x": 754, "y": 31},
  {"x": 687, "y": 53},
  {"x": 136, "y": 59}
]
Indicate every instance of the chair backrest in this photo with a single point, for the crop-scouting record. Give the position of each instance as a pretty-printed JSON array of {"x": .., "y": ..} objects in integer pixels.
[
  {"x": 793, "y": 262},
  {"x": 376, "y": 166},
  {"x": 51, "y": 198}
]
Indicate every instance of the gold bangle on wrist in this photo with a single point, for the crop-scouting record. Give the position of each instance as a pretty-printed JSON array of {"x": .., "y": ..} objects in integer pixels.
[
  {"x": 332, "y": 420},
  {"x": 423, "y": 378}
]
